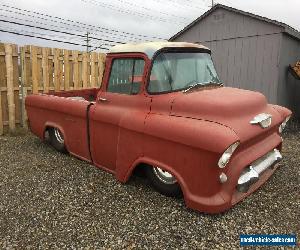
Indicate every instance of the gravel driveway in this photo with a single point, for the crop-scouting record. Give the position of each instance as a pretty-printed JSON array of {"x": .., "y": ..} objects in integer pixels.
[{"x": 52, "y": 200}]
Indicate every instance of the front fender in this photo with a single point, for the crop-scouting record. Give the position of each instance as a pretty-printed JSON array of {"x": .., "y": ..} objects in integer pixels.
[
  {"x": 187, "y": 148},
  {"x": 284, "y": 112},
  {"x": 190, "y": 147}
]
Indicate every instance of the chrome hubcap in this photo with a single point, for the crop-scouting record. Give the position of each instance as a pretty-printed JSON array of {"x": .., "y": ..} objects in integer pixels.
[
  {"x": 164, "y": 176},
  {"x": 59, "y": 137}
]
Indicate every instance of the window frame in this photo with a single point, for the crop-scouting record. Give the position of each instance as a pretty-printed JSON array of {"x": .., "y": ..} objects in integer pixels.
[
  {"x": 174, "y": 50},
  {"x": 126, "y": 57}
]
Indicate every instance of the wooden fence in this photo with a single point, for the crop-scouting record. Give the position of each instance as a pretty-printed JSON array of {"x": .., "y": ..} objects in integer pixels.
[{"x": 32, "y": 69}]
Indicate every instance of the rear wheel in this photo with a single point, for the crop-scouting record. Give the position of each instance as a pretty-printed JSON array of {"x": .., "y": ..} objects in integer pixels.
[
  {"x": 57, "y": 140},
  {"x": 163, "y": 181}
]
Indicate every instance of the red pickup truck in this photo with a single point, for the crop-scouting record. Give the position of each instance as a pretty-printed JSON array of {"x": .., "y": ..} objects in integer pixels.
[{"x": 162, "y": 108}]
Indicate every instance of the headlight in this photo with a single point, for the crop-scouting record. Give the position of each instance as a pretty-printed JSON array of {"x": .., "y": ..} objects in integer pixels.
[
  {"x": 227, "y": 155},
  {"x": 283, "y": 125}
]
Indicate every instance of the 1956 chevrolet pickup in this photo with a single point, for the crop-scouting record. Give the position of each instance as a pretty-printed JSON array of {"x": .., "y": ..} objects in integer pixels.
[{"x": 161, "y": 107}]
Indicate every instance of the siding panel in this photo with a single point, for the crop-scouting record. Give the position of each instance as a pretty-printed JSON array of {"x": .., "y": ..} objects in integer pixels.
[
  {"x": 288, "y": 86},
  {"x": 231, "y": 54},
  {"x": 267, "y": 78},
  {"x": 251, "y": 66},
  {"x": 245, "y": 63},
  {"x": 276, "y": 44},
  {"x": 258, "y": 63},
  {"x": 238, "y": 62}
]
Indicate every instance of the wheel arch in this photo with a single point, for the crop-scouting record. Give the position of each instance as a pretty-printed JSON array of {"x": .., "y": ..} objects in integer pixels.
[
  {"x": 145, "y": 161},
  {"x": 48, "y": 125}
]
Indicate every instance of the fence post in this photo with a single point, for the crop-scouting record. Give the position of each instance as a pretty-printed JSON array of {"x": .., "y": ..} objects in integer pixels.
[{"x": 10, "y": 87}]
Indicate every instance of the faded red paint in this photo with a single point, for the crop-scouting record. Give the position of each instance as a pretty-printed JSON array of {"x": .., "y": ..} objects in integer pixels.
[{"x": 183, "y": 133}]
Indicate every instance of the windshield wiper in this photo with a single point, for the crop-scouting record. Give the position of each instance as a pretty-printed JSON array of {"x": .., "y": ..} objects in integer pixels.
[{"x": 202, "y": 84}]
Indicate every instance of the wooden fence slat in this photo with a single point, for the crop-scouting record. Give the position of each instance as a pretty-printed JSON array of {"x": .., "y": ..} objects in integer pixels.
[
  {"x": 94, "y": 74},
  {"x": 10, "y": 87},
  {"x": 61, "y": 68},
  {"x": 24, "y": 116},
  {"x": 51, "y": 68},
  {"x": 45, "y": 67},
  {"x": 35, "y": 72},
  {"x": 23, "y": 84},
  {"x": 101, "y": 65},
  {"x": 39, "y": 66},
  {"x": 85, "y": 70},
  {"x": 1, "y": 118},
  {"x": 75, "y": 69},
  {"x": 67, "y": 69},
  {"x": 57, "y": 72},
  {"x": 27, "y": 65}
]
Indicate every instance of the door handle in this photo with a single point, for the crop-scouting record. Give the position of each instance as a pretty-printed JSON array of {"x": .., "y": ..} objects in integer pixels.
[{"x": 101, "y": 99}]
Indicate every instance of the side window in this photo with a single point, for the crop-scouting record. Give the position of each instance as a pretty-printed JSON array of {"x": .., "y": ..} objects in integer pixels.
[{"x": 126, "y": 76}]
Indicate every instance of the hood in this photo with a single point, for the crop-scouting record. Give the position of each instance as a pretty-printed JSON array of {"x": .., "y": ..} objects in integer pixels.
[{"x": 231, "y": 107}]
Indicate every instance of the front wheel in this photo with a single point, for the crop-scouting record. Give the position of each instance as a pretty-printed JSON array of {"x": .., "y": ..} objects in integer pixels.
[
  {"x": 163, "y": 181},
  {"x": 57, "y": 140}
]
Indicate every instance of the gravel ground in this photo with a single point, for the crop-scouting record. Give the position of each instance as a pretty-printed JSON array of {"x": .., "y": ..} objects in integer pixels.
[{"x": 51, "y": 200}]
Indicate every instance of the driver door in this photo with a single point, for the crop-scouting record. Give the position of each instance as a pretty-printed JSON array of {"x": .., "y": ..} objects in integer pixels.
[{"x": 119, "y": 111}]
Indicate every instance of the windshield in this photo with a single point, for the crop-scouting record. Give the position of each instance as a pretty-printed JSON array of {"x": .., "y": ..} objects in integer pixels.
[{"x": 178, "y": 71}]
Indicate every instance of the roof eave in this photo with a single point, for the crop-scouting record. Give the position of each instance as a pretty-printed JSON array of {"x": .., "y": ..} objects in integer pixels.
[
  {"x": 292, "y": 33},
  {"x": 287, "y": 29},
  {"x": 194, "y": 22}
]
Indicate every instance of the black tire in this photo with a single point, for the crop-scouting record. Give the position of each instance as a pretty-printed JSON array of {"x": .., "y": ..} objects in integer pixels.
[
  {"x": 166, "y": 186},
  {"x": 57, "y": 140}
]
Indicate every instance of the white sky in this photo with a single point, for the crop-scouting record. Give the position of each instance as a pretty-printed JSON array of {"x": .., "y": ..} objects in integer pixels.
[{"x": 159, "y": 18}]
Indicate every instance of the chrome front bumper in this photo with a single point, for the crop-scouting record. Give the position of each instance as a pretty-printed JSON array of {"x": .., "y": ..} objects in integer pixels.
[{"x": 251, "y": 174}]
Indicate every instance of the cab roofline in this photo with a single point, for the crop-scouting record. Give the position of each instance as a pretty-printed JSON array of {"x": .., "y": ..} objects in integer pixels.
[{"x": 151, "y": 48}]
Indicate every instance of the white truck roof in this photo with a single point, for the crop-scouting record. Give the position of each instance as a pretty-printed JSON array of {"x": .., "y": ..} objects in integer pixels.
[{"x": 150, "y": 48}]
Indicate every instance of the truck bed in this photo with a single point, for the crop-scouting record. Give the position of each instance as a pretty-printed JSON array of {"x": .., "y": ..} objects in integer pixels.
[
  {"x": 66, "y": 110},
  {"x": 83, "y": 94}
]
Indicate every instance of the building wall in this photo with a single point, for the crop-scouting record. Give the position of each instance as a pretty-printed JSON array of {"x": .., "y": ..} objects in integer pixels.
[
  {"x": 245, "y": 50},
  {"x": 288, "y": 86},
  {"x": 249, "y": 63}
]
